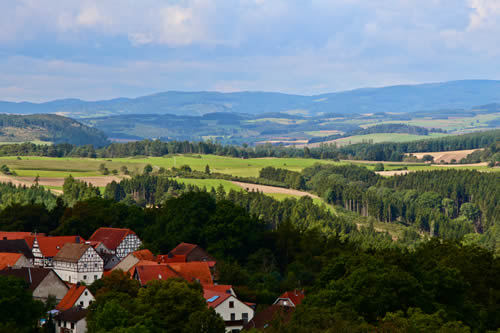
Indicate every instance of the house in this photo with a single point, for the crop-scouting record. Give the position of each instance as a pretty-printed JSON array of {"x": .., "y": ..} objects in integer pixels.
[
  {"x": 189, "y": 253},
  {"x": 145, "y": 271},
  {"x": 77, "y": 296},
  {"x": 78, "y": 263},
  {"x": 119, "y": 241},
  {"x": 133, "y": 258},
  {"x": 17, "y": 246},
  {"x": 11, "y": 235},
  {"x": 110, "y": 260},
  {"x": 71, "y": 321},
  {"x": 42, "y": 282},
  {"x": 234, "y": 312},
  {"x": 13, "y": 260},
  {"x": 45, "y": 248},
  {"x": 290, "y": 298}
]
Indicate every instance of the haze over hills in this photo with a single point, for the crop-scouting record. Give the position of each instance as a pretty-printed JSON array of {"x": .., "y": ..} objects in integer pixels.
[{"x": 403, "y": 98}]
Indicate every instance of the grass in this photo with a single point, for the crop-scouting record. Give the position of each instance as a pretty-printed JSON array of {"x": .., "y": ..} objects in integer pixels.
[
  {"x": 385, "y": 137},
  {"x": 228, "y": 165},
  {"x": 209, "y": 183}
]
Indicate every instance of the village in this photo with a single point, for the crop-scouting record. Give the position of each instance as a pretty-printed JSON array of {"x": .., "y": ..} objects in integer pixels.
[{"x": 62, "y": 267}]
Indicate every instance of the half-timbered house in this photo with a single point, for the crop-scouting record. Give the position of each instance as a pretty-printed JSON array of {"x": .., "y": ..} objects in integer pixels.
[
  {"x": 119, "y": 241},
  {"x": 78, "y": 263},
  {"x": 44, "y": 248}
]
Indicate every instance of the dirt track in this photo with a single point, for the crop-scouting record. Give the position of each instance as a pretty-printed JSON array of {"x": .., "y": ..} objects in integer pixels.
[{"x": 272, "y": 189}]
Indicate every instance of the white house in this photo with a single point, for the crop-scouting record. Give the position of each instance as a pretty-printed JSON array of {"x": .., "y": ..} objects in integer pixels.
[
  {"x": 71, "y": 321},
  {"x": 234, "y": 312},
  {"x": 119, "y": 241},
  {"x": 77, "y": 296},
  {"x": 78, "y": 263}
]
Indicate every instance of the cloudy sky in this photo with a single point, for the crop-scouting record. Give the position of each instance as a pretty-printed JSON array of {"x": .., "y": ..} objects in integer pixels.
[{"x": 95, "y": 49}]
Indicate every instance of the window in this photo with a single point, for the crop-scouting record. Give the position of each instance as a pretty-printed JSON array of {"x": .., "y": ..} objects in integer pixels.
[
  {"x": 85, "y": 265},
  {"x": 85, "y": 277},
  {"x": 59, "y": 323},
  {"x": 86, "y": 293},
  {"x": 231, "y": 304},
  {"x": 95, "y": 265},
  {"x": 233, "y": 316},
  {"x": 244, "y": 316},
  {"x": 72, "y": 326},
  {"x": 81, "y": 303},
  {"x": 95, "y": 277}
]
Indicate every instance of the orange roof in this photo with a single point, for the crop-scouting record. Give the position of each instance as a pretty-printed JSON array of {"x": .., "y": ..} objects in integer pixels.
[
  {"x": 49, "y": 246},
  {"x": 220, "y": 288},
  {"x": 295, "y": 297},
  {"x": 71, "y": 297},
  {"x": 193, "y": 271},
  {"x": 214, "y": 298},
  {"x": 9, "y": 235},
  {"x": 8, "y": 259},
  {"x": 183, "y": 249},
  {"x": 147, "y": 273},
  {"x": 141, "y": 263},
  {"x": 144, "y": 255},
  {"x": 111, "y": 237},
  {"x": 166, "y": 258}
]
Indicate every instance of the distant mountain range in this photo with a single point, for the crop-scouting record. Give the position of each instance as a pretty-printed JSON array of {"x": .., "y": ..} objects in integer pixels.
[{"x": 403, "y": 98}]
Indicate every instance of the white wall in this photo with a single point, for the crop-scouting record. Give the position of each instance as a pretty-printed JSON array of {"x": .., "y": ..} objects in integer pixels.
[
  {"x": 86, "y": 297},
  {"x": 239, "y": 308}
]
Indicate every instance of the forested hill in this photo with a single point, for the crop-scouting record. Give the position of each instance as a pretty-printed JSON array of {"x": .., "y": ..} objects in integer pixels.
[
  {"x": 50, "y": 128},
  {"x": 404, "y": 98}
]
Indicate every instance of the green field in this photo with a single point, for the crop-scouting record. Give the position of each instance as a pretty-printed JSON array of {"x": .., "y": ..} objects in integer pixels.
[
  {"x": 385, "y": 137},
  {"x": 50, "y": 167}
]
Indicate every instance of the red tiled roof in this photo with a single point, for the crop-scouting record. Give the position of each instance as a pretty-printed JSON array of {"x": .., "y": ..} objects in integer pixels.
[
  {"x": 295, "y": 296},
  {"x": 111, "y": 237},
  {"x": 193, "y": 271},
  {"x": 183, "y": 249},
  {"x": 144, "y": 255},
  {"x": 214, "y": 298},
  {"x": 71, "y": 297},
  {"x": 166, "y": 258},
  {"x": 220, "y": 288},
  {"x": 49, "y": 246},
  {"x": 9, "y": 235},
  {"x": 147, "y": 273},
  {"x": 9, "y": 259},
  {"x": 141, "y": 263}
]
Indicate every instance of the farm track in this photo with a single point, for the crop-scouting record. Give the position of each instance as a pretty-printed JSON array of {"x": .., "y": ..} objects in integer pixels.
[{"x": 273, "y": 189}]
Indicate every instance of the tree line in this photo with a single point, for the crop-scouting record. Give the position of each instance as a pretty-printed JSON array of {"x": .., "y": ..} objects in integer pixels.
[{"x": 361, "y": 151}]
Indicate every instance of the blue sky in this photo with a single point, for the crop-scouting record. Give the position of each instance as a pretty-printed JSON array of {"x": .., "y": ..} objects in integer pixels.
[{"x": 93, "y": 49}]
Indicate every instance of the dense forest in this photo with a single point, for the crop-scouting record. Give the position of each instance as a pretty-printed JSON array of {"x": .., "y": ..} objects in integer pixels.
[
  {"x": 362, "y": 151},
  {"x": 439, "y": 286},
  {"x": 50, "y": 128}
]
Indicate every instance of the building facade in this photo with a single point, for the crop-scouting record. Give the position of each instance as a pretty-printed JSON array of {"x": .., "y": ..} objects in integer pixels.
[{"x": 78, "y": 263}]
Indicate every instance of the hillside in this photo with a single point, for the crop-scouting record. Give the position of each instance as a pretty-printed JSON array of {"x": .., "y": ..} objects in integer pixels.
[
  {"x": 403, "y": 98},
  {"x": 48, "y": 128}
]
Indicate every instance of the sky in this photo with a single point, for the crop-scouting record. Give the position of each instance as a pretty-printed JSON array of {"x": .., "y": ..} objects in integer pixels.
[{"x": 95, "y": 49}]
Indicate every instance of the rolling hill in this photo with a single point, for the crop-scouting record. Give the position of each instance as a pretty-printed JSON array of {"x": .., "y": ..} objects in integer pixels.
[
  {"x": 403, "y": 98},
  {"x": 48, "y": 128}
]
